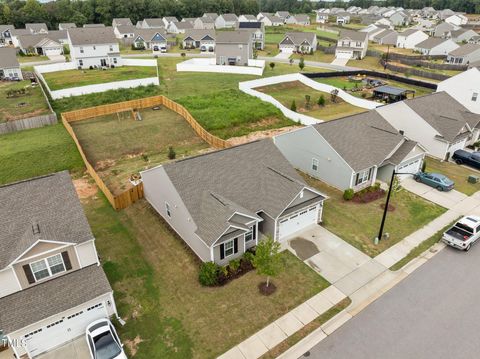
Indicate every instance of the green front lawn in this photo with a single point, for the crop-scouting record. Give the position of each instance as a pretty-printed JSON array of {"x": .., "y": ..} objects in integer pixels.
[
  {"x": 155, "y": 281},
  {"x": 359, "y": 223},
  {"x": 31, "y": 103},
  {"x": 23, "y": 59},
  {"x": 288, "y": 92},
  {"x": 75, "y": 78},
  {"x": 317, "y": 56},
  {"x": 458, "y": 174}
]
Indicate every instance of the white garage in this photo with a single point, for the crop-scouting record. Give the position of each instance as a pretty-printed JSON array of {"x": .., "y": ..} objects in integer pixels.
[
  {"x": 411, "y": 166},
  {"x": 459, "y": 145},
  {"x": 287, "y": 49},
  {"x": 297, "y": 221},
  {"x": 339, "y": 54}
]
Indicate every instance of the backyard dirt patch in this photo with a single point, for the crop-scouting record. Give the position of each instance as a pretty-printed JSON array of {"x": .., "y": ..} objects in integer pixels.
[
  {"x": 133, "y": 344},
  {"x": 258, "y": 135},
  {"x": 84, "y": 188}
]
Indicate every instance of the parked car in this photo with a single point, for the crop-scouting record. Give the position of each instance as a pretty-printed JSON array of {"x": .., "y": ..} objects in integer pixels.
[
  {"x": 436, "y": 180},
  {"x": 464, "y": 233},
  {"x": 163, "y": 49},
  {"x": 103, "y": 341},
  {"x": 464, "y": 157}
]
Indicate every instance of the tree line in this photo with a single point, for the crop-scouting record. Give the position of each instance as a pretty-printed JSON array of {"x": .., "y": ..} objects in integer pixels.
[{"x": 19, "y": 12}]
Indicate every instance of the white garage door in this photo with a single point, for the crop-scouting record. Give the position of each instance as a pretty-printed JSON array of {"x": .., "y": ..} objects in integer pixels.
[
  {"x": 53, "y": 51},
  {"x": 297, "y": 221},
  {"x": 286, "y": 49},
  {"x": 343, "y": 55},
  {"x": 409, "y": 167},
  {"x": 63, "y": 329},
  {"x": 460, "y": 145}
]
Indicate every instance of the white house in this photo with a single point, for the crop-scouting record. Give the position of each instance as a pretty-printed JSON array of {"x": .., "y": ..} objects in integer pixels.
[
  {"x": 342, "y": 19},
  {"x": 302, "y": 42},
  {"x": 124, "y": 31},
  {"x": 298, "y": 19},
  {"x": 168, "y": 19},
  {"x": 247, "y": 18},
  {"x": 321, "y": 18},
  {"x": 153, "y": 23},
  {"x": 409, "y": 38},
  {"x": 226, "y": 21},
  {"x": 400, "y": 18},
  {"x": 436, "y": 46},
  {"x": 352, "y": 45},
  {"x": 94, "y": 47},
  {"x": 457, "y": 19},
  {"x": 271, "y": 20},
  {"x": 465, "y": 88},
  {"x": 461, "y": 35},
  {"x": 9, "y": 66},
  {"x": 204, "y": 23},
  {"x": 151, "y": 39},
  {"x": 386, "y": 37},
  {"x": 464, "y": 55},
  {"x": 179, "y": 27}
]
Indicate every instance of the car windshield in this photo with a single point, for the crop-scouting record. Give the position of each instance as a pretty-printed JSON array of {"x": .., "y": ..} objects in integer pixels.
[{"x": 106, "y": 347}]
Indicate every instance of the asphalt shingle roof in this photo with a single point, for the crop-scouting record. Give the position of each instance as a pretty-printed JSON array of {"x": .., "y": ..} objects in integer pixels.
[
  {"x": 199, "y": 34},
  {"x": 49, "y": 201},
  {"x": 465, "y": 50},
  {"x": 299, "y": 37},
  {"x": 430, "y": 43},
  {"x": 238, "y": 36},
  {"x": 92, "y": 36},
  {"x": 353, "y": 35},
  {"x": 8, "y": 58}
]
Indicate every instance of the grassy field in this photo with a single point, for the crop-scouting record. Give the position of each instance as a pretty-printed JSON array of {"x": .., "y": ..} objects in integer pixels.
[
  {"x": 24, "y": 59},
  {"x": 358, "y": 224},
  {"x": 32, "y": 103},
  {"x": 456, "y": 173},
  {"x": 37, "y": 152},
  {"x": 296, "y": 91},
  {"x": 118, "y": 146},
  {"x": 233, "y": 113},
  {"x": 275, "y": 34},
  {"x": 318, "y": 56},
  {"x": 168, "y": 313},
  {"x": 74, "y": 78}
]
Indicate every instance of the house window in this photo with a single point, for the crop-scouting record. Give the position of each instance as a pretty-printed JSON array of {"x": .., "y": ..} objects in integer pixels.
[
  {"x": 81, "y": 50},
  {"x": 80, "y": 62},
  {"x": 111, "y": 48},
  {"x": 252, "y": 234},
  {"x": 167, "y": 209},
  {"x": 314, "y": 164},
  {"x": 474, "y": 96},
  {"x": 228, "y": 248},
  {"x": 363, "y": 177},
  {"x": 359, "y": 44},
  {"x": 47, "y": 267},
  {"x": 114, "y": 60},
  {"x": 94, "y": 48}
]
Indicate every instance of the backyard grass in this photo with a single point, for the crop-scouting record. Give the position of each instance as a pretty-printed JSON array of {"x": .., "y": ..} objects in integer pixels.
[
  {"x": 458, "y": 174},
  {"x": 275, "y": 34},
  {"x": 288, "y": 92},
  {"x": 74, "y": 78},
  {"x": 37, "y": 152},
  {"x": 30, "y": 104},
  {"x": 24, "y": 59},
  {"x": 155, "y": 282},
  {"x": 118, "y": 146},
  {"x": 358, "y": 224},
  {"x": 318, "y": 56},
  {"x": 268, "y": 50}
]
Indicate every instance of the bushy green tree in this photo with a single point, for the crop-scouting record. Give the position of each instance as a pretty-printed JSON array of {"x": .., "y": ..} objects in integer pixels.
[{"x": 267, "y": 260}]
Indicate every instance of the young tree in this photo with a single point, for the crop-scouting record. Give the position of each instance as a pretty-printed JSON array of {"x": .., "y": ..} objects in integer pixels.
[
  {"x": 301, "y": 64},
  {"x": 321, "y": 101},
  {"x": 267, "y": 259},
  {"x": 272, "y": 65},
  {"x": 290, "y": 62},
  {"x": 307, "y": 101},
  {"x": 293, "y": 106}
]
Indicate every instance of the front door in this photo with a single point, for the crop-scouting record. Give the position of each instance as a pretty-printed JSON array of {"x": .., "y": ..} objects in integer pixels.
[{"x": 103, "y": 62}]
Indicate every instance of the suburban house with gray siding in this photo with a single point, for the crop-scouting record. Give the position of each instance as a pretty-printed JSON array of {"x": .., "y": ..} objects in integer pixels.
[
  {"x": 351, "y": 152},
  {"x": 9, "y": 66},
  {"x": 225, "y": 202},
  {"x": 199, "y": 39},
  {"x": 233, "y": 48},
  {"x": 51, "y": 283},
  {"x": 302, "y": 42},
  {"x": 437, "y": 121}
]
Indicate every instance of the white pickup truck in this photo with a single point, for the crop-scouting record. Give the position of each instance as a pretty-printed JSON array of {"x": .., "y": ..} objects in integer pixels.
[{"x": 464, "y": 233}]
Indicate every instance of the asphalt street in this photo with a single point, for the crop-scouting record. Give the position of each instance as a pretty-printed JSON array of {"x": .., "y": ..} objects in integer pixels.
[{"x": 432, "y": 314}]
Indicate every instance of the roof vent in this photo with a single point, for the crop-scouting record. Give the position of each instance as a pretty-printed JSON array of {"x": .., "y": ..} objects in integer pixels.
[
  {"x": 36, "y": 228},
  {"x": 402, "y": 132}
]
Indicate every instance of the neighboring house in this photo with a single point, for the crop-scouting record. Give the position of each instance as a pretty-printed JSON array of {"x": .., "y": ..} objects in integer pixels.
[
  {"x": 37, "y": 28},
  {"x": 461, "y": 35},
  {"x": 51, "y": 280},
  {"x": 6, "y": 34},
  {"x": 150, "y": 39},
  {"x": 369, "y": 19},
  {"x": 271, "y": 20},
  {"x": 225, "y": 21},
  {"x": 211, "y": 15},
  {"x": 410, "y": 38},
  {"x": 384, "y": 22},
  {"x": 179, "y": 27},
  {"x": 94, "y": 47},
  {"x": 443, "y": 29},
  {"x": 191, "y": 20},
  {"x": 457, "y": 20},
  {"x": 400, "y": 18},
  {"x": 301, "y": 42},
  {"x": 445, "y": 13},
  {"x": 352, "y": 44},
  {"x": 122, "y": 21},
  {"x": 156, "y": 23},
  {"x": 257, "y": 31},
  {"x": 66, "y": 25},
  {"x": 436, "y": 46},
  {"x": 474, "y": 40},
  {"x": 167, "y": 20},
  {"x": 283, "y": 15},
  {"x": 9, "y": 66},
  {"x": 124, "y": 31},
  {"x": 465, "y": 88},
  {"x": 321, "y": 18},
  {"x": 299, "y": 19},
  {"x": 372, "y": 30},
  {"x": 40, "y": 44},
  {"x": 464, "y": 55},
  {"x": 233, "y": 48},
  {"x": 204, "y": 23},
  {"x": 342, "y": 19},
  {"x": 247, "y": 18},
  {"x": 437, "y": 121},
  {"x": 386, "y": 37},
  {"x": 94, "y": 26},
  {"x": 351, "y": 152},
  {"x": 199, "y": 39},
  {"x": 260, "y": 195}
]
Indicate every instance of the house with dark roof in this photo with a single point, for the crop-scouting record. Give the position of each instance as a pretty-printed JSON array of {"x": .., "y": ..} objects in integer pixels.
[
  {"x": 51, "y": 283},
  {"x": 225, "y": 202},
  {"x": 351, "y": 152},
  {"x": 94, "y": 47},
  {"x": 9, "y": 66},
  {"x": 437, "y": 121},
  {"x": 233, "y": 48},
  {"x": 351, "y": 44},
  {"x": 257, "y": 31},
  {"x": 151, "y": 39},
  {"x": 225, "y": 21},
  {"x": 199, "y": 39},
  {"x": 301, "y": 42}
]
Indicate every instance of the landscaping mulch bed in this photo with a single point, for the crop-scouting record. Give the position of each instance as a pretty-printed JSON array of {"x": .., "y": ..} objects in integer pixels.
[
  {"x": 262, "y": 287},
  {"x": 368, "y": 196},
  {"x": 391, "y": 208},
  {"x": 245, "y": 267}
]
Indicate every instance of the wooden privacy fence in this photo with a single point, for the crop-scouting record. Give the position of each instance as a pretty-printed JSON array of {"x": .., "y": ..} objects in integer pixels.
[
  {"x": 135, "y": 193},
  {"x": 28, "y": 123}
]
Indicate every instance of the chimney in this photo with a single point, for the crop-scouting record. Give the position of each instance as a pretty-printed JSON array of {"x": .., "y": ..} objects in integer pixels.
[
  {"x": 401, "y": 132},
  {"x": 36, "y": 228}
]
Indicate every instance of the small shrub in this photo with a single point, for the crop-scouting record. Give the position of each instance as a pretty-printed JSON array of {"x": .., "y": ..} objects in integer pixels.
[
  {"x": 183, "y": 54},
  {"x": 272, "y": 65},
  {"x": 293, "y": 106},
  {"x": 307, "y": 101},
  {"x": 364, "y": 95},
  {"x": 224, "y": 270},
  {"x": 208, "y": 275},
  {"x": 171, "y": 153},
  {"x": 234, "y": 264},
  {"x": 321, "y": 101},
  {"x": 301, "y": 64},
  {"x": 248, "y": 256},
  {"x": 348, "y": 194}
]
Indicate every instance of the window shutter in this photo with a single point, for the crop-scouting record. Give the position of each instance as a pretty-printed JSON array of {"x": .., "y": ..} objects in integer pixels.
[
  {"x": 235, "y": 245},
  {"x": 356, "y": 179},
  {"x": 66, "y": 260},
  {"x": 29, "y": 274},
  {"x": 222, "y": 251},
  {"x": 370, "y": 173}
]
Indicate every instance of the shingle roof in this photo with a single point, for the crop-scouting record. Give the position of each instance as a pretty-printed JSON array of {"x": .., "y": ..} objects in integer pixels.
[
  {"x": 156, "y": 22},
  {"x": 299, "y": 37},
  {"x": 6, "y": 27},
  {"x": 122, "y": 21},
  {"x": 92, "y": 36},
  {"x": 148, "y": 34},
  {"x": 465, "y": 50},
  {"x": 67, "y": 25},
  {"x": 363, "y": 140},
  {"x": 183, "y": 25},
  {"x": 52, "y": 297},
  {"x": 237, "y": 36},
  {"x": 430, "y": 43},
  {"x": 402, "y": 152},
  {"x": 250, "y": 17},
  {"x": 229, "y": 17},
  {"x": 8, "y": 58},
  {"x": 408, "y": 32},
  {"x": 250, "y": 25},
  {"x": 302, "y": 17},
  {"x": 248, "y": 178},
  {"x": 90, "y": 26},
  {"x": 353, "y": 35},
  {"x": 126, "y": 29},
  {"x": 198, "y": 34},
  {"x": 36, "y": 26},
  {"x": 443, "y": 113},
  {"x": 49, "y": 201}
]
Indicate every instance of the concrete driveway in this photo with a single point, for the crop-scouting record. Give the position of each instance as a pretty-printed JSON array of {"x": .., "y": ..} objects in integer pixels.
[
  {"x": 283, "y": 55},
  {"x": 57, "y": 58},
  {"x": 340, "y": 61},
  {"x": 444, "y": 199},
  {"x": 76, "y": 349}
]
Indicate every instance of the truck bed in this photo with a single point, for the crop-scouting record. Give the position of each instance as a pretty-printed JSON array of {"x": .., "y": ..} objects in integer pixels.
[{"x": 459, "y": 233}]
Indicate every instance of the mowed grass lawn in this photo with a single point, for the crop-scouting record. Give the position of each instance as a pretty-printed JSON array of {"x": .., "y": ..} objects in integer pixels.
[
  {"x": 74, "y": 78},
  {"x": 37, "y": 152},
  {"x": 458, "y": 174},
  {"x": 288, "y": 92},
  {"x": 32, "y": 103},
  {"x": 359, "y": 223},
  {"x": 155, "y": 281},
  {"x": 118, "y": 146}
]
